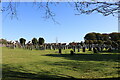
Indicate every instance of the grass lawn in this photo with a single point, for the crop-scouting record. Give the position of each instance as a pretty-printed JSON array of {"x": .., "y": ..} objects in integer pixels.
[{"x": 21, "y": 64}]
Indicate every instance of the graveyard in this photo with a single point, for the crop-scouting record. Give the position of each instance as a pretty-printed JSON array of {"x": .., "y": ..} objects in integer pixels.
[
  {"x": 60, "y": 40},
  {"x": 36, "y": 60},
  {"x": 25, "y": 64}
]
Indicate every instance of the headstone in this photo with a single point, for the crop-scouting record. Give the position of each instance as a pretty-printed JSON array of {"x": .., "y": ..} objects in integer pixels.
[
  {"x": 90, "y": 49},
  {"x": 78, "y": 48},
  {"x": 60, "y": 51},
  {"x": 72, "y": 52},
  {"x": 74, "y": 48},
  {"x": 95, "y": 50},
  {"x": 83, "y": 49},
  {"x": 53, "y": 48},
  {"x": 64, "y": 47},
  {"x": 98, "y": 49},
  {"x": 110, "y": 49},
  {"x": 102, "y": 48}
]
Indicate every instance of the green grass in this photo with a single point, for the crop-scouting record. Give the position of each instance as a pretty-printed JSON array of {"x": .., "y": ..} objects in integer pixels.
[{"x": 21, "y": 64}]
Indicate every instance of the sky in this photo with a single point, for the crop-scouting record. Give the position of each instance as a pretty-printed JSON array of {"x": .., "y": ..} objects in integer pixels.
[{"x": 71, "y": 27}]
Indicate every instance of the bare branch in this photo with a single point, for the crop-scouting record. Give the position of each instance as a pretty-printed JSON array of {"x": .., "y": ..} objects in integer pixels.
[{"x": 105, "y": 8}]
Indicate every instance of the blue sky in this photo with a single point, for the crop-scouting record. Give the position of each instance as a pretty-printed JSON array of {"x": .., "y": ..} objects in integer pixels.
[{"x": 72, "y": 27}]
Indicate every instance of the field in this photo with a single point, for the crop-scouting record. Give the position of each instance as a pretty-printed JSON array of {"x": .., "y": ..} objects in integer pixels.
[{"x": 21, "y": 64}]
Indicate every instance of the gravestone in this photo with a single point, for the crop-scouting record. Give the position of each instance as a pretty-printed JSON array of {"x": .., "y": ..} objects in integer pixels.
[
  {"x": 95, "y": 50},
  {"x": 102, "y": 48},
  {"x": 110, "y": 49},
  {"x": 90, "y": 49},
  {"x": 78, "y": 48},
  {"x": 98, "y": 49},
  {"x": 74, "y": 48},
  {"x": 83, "y": 49},
  {"x": 60, "y": 51},
  {"x": 72, "y": 52},
  {"x": 64, "y": 47}
]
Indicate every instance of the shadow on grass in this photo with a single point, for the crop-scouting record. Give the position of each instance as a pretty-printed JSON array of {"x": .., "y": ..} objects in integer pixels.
[
  {"x": 88, "y": 57},
  {"x": 113, "y": 51},
  {"x": 9, "y": 73},
  {"x": 13, "y": 75}
]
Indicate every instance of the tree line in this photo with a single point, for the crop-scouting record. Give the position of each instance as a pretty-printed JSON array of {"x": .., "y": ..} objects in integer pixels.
[
  {"x": 34, "y": 41},
  {"x": 99, "y": 38},
  {"x": 22, "y": 41},
  {"x": 92, "y": 41},
  {"x": 111, "y": 40}
]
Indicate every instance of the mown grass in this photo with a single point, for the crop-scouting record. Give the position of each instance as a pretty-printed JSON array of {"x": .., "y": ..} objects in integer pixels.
[{"x": 20, "y": 64}]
